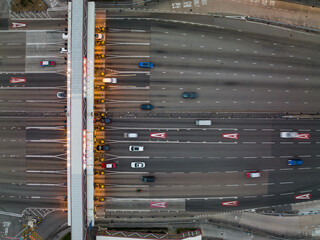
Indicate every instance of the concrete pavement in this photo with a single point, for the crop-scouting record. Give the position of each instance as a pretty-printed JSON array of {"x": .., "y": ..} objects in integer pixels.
[{"x": 290, "y": 13}]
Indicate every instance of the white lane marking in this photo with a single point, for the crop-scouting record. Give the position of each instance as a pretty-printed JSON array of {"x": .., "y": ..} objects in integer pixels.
[
  {"x": 267, "y": 184},
  {"x": 232, "y": 185},
  {"x": 13, "y": 56},
  {"x": 249, "y": 142},
  {"x": 249, "y": 157},
  {"x": 231, "y": 171},
  {"x": 304, "y": 168},
  {"x": 286, "y": 156},
  {"x": 268, "y": 170},
  {"x": 268, "y": 129},
  {"x": 286, "y": 182},
  {"x": 285, "y": 130},
  {"x": 290, "y": 193},
  {"x": 250, "y": 184},
  {"x": 304, "y": 142},
  {"x": 13, "y": 44},
  {"x": 304, "y": 156},
  {"x": 306, "y": 191},
  {"x": 286, "y": 169},
  {"x": 268, "y": 142},
  {"x": 250, "y": 196},
  {"x": 249, "y": 129},
  {"x": 231, "y": 157},
  {"x": 304, "y": 130},
  {"x": 286, "y": 142},
  {"x": 270, "y": 195},
  {"x": 268, "y": 156}
]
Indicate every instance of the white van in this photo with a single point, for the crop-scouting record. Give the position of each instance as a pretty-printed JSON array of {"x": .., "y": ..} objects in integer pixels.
[
  {"x": 203, "y": 122},
  {"x": 110, "y": 80},
  {"x": 130, "y": 135}
]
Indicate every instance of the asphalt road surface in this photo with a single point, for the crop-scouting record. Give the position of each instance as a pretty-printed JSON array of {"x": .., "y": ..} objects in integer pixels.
[
  {"x": 202, "y": 165},
  {"x": 230, "y": 69}
]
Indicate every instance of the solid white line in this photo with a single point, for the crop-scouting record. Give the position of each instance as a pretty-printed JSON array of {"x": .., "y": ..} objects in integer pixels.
[
  {"x": 282, "y": 194},
  {"x": 268, "y": 170},
  {"x": 13, "y": 44},
  {"x": 250, "y": 196}
]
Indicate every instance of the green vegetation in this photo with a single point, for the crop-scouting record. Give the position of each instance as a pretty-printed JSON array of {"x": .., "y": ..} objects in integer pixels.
[
  {"x": 27, "y": 6},
  {"x": 67, "y": 237}
]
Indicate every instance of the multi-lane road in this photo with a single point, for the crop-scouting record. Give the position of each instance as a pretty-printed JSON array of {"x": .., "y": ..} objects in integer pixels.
[{"x": 232, "y": 70}]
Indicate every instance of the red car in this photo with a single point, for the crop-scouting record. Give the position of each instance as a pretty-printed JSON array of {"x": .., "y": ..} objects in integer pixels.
[
  {"x": 47, "y": 63},
  {"x": 108, "y": 165},
  {"x": 253, "y": 174}
]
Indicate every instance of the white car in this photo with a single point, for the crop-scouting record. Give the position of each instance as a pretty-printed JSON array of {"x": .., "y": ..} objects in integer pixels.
[
  {"x": 98, "y": 36},
  {"x": 65, "y": 36},
  {"x": 136, "y": 148},
  {"x": 130, "y": 135},
  {"x": 288, "y": 134},
  {"x": 110, "y": 80},
  {"x": 138, "y": 164},
  {"x": 63, "y": 50}
]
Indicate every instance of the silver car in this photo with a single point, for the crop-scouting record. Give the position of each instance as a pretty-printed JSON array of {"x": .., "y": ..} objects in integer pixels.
[
  {"x": 288, "y": 134},
  {"x": 138, "y": 164}
]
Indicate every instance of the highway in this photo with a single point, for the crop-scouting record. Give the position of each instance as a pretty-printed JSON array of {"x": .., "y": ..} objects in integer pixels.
[
  {"x": 233, "y": 70},
  {"x": 228, "y": 68}
]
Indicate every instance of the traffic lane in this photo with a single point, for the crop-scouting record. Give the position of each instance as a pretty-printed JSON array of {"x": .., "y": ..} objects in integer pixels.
[
  {"x": 293, "y": 180},
  {"x": 33, "y": 105},
  {"x": 57, "y": 178},
  {"x": 47, "y": 163},
  {"x": 214, "y": 164},
  {"x": 43, "y": 123},
  {"x": 13, "y": 37},
  {"x": 35, "y": 80},
  {"x": 196, "y": 135},
  {"x": 131, "y": 94},
  {"x": 126, "y": 25},
  {"x": 176, "y": 149},
  {"x": 58, "y": 25},
  {"x": 247, "y": 125},
  {"x": 31, "y": 94},
  {"x": 53, "y": 149},
  {"x": 37, "y": 134},
  {"x": 29, "y": 190},
  {"x": 240, "y": 97},
  {"x": 17, "y": 204}
]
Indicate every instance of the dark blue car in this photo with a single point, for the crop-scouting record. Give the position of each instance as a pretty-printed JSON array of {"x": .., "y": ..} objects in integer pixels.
[
  {"x": 295, "y": 162},
  {"x": 146, "y": 106},
  {"x": 146, "y": 64},
  {"x": 189, "y": 95}
]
